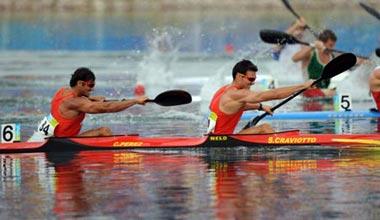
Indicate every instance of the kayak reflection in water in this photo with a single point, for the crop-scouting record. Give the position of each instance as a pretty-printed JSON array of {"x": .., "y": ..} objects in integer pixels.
[
  {"x": 230, "y": 101},
  {"x": 69, "y": 106}
]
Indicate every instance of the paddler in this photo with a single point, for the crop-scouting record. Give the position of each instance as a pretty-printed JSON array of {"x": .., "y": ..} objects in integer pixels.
[
  {"x": 69, "y": 106},
  {"x": 230, "y": 101},
  {"x": 314, "y": 60},
  {"x": 374, "y": 86}
]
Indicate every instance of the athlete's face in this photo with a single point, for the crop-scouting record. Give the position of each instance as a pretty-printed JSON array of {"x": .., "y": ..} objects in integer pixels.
[
  {"x": 248, "y": 79},
  {"x": 87, "y": 87},
  {"x": 329, "y": 44}
]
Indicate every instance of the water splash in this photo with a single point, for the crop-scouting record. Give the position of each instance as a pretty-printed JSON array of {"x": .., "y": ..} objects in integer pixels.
[
  {"x": 213, "y": 83},
  {"x": 356, "y": 83},
  {"x": 155, "y": 71}
]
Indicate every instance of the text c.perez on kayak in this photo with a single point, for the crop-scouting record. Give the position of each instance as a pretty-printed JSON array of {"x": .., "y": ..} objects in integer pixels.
[{"x": 292, "y": 140}]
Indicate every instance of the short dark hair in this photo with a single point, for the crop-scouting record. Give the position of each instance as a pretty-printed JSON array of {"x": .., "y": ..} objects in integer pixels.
[
  {"x": 242, "y": 67},
  {"x": 326, "y": 35},
  {"x": 82, "y": 73}
]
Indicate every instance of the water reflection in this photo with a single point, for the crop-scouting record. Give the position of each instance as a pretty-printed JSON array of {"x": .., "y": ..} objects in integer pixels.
[{"x": 216, "y": 183}]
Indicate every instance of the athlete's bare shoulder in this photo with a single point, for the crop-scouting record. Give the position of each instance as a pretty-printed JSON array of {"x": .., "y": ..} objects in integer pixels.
[
  {"x": 237, "y": 94},
  {"x": 74, "y": 103}
]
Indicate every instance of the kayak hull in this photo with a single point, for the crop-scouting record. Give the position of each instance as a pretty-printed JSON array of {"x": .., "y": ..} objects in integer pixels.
[
  {"x": 288, "y": 138},
  {"x": 315, "y": 115}
]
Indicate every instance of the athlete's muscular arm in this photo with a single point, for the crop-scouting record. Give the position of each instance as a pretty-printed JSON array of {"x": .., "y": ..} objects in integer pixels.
[
  {"x": 252, "y": 106},
  {"x": 97, "y": 98},
  {"x": 83, "y": 104},
  {"x": 280, "y": 93},
  {"x": 302, "y": 55},
  {"x": 256, "y": 106}
]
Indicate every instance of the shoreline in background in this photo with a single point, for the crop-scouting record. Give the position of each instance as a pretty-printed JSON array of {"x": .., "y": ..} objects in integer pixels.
[{"x": 169, "y": 5}]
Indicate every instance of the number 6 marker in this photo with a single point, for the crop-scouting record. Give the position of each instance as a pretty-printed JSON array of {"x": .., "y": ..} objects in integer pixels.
[{"x": 10, "y": 133}]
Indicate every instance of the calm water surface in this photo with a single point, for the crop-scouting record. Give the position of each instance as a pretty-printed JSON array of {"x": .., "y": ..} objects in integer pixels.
[{"x": 38, "y": 54}]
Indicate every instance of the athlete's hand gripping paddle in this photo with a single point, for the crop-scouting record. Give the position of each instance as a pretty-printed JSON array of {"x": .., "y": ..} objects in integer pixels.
[
  {"x": 169, "y": 98},
  {"x": 334, "y": 67}
]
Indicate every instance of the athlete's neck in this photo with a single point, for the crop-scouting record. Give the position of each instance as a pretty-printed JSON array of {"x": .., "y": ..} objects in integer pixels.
[
  {"x": 75, "y": 91},
  {"x": 237, "y": 85}
]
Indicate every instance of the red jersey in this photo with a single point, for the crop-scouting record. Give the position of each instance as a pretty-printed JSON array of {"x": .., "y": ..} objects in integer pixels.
[
  {"x": 313, "y": 93},
  {"x": 376, "y": 98},
  {"x": 225, "y": 123},
  {"x": 66, "y": 126}
]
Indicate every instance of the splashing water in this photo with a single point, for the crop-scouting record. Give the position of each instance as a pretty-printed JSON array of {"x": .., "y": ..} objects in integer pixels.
[
  {"x": 154, "y": 70},
  {"x": 356, "y": 83},
  {"x": 213, "y": 83}
]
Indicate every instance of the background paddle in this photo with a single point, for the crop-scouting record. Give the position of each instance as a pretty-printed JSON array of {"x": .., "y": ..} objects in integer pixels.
[
  {"x": 370, "y": 10},
  {"x": 333, "y": 68},
  {"x": 289, "y": 7},
  {"x": 279, "y": 37},
  {"x": 170, "y": 98}
]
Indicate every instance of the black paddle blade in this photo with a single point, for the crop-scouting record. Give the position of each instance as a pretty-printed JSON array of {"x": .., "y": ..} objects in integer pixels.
[
  {"x": 173, "y": 97},
  {"x": 277, "y": 37},
  {"x": 338, "y": 65},
  {"x": 378, "y": 52},
  {"x": 370, "y": 10}
]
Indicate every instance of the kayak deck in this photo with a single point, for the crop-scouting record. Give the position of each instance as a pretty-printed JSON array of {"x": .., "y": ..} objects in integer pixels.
[{"x": 287, "y": 138}]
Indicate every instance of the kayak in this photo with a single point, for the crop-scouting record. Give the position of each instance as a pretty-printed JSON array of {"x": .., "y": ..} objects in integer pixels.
[
  {"x": 273, "y": 140},
  {"x": 315, "y": 115}
]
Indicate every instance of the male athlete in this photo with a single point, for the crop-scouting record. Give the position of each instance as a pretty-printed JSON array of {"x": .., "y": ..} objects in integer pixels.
[
  {"x": 230, "y": 101},
  {"x": 313, "y": 61},
  {"x": 70, "y": 105}
]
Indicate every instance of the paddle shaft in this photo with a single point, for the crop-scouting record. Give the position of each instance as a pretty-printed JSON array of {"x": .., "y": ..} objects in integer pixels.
[
  {"x": 333, "y": 50},
  {"x": 289, "y": 7},
  {"x": 370, "y": 10},
  {"x": 170, "y": 98},
  {"x": 258, "y": 118}
]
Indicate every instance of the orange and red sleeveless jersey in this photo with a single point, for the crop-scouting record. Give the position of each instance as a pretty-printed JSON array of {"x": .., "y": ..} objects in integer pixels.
[
  {"x": 376, "y": 98},
  {"x": 66, "y": 126},
  {"x": 225, "y": 123}
]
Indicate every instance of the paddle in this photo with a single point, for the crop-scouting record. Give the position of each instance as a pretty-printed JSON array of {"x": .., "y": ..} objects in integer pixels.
[
  {"x": 333, "y": 68},
  {"x": 370, "y": 10},
  {"x": 378, "y": 52},
  {"x": 279, "y": 37},
  {"x": 289, "y": 7},
  {"x": 170, "y": 98}
]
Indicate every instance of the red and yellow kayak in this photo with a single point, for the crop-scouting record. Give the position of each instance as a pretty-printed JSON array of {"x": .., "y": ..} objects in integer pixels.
[{"x": 286, "y": 138}]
